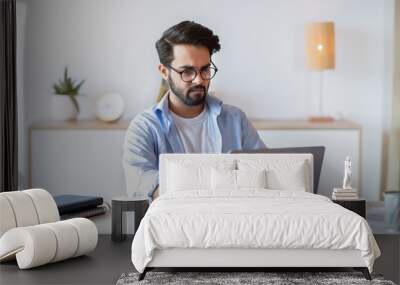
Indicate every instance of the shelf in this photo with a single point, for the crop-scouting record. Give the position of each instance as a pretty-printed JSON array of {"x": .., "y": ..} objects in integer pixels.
[
  {"x": 263, "y": 124},
  {"x": 259, "y": 124},
  {"x": 80, "y": 124}
]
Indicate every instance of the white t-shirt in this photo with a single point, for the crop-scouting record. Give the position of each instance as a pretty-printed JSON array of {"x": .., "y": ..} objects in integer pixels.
[{"x": 199, "y": 134}]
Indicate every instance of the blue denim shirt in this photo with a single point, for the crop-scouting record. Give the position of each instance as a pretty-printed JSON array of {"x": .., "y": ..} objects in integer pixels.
[{"x": 153, "y": 132}]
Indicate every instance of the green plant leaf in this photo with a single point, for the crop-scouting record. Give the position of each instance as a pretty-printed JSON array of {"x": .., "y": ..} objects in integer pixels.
[
  {"x": 56, "y": 89},
  {"x": 67, "y": 86},
  {"x": 75, "y": 102},
  {"x": 65, "y": 73},
  {"x": 77, "y": 87}
]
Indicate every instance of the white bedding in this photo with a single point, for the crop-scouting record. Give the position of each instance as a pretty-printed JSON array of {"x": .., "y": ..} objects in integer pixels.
[{"x": 250, "y": 218}]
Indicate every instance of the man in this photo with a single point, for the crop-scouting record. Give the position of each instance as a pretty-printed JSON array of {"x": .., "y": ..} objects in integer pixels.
[{"x": 187, "y": 119}]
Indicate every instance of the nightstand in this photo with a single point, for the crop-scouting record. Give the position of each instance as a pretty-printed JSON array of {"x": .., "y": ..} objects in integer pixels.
[
  {"x": 357, "y": 206},
  {"x": 138, "y": 205}
]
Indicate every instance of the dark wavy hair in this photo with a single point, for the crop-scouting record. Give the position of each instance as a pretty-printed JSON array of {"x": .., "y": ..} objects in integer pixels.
[{"x": 186, "y": 32}]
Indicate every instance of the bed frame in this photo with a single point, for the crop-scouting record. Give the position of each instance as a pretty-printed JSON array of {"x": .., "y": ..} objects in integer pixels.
[{"x": 242, "y": 259}]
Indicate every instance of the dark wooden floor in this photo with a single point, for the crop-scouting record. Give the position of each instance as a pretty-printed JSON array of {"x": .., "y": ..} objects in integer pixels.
[
  {"x": 102, "y": 266},
  {"x": 110, "y": 259}
]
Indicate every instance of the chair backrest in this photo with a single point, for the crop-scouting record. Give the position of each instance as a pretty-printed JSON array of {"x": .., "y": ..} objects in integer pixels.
[
  {"x": 317, "y": 152},
  {"x": 168, "y": 162},
  {"x": 26, "y": 208}
]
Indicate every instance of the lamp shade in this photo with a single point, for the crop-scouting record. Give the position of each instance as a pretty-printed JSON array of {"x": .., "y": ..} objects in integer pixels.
[{"x": 320, "y": 45}]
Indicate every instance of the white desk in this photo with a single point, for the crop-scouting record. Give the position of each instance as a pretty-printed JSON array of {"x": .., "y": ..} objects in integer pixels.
[{"x": 85, "y": 157}]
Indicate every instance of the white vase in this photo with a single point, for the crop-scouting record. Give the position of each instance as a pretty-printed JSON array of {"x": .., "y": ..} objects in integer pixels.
[{"x": 62, "y": 108}]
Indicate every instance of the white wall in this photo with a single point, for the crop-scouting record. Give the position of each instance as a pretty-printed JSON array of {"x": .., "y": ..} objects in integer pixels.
[{"x": 111, "y": 44}]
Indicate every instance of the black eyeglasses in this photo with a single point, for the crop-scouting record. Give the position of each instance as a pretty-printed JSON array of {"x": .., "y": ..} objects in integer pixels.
[{"x": 189, "y": 74}]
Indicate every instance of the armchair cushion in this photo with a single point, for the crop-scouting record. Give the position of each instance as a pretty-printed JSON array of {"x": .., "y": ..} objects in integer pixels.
[
  {"x": 31, "y": 232},
  {"x": 26, "y": 208},
  {"x": 40, "y": 244}
]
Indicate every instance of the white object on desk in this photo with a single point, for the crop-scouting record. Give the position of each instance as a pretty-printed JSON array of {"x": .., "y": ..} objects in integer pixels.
[{"x": 109, "y": 107}]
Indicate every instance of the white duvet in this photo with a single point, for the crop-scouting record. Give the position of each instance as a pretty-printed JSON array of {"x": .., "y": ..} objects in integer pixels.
[{"x": 250, "y": 218}]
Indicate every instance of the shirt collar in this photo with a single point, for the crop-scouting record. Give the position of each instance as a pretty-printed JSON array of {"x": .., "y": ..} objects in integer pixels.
[{"x": 163, "y": 113}]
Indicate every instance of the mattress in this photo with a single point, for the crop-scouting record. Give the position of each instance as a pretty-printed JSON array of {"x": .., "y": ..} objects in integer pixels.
[{"x": 250, "y": 219}]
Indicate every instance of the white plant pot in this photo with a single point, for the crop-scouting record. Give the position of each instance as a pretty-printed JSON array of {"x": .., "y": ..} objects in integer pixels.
[{"x": 62, "y": 108}]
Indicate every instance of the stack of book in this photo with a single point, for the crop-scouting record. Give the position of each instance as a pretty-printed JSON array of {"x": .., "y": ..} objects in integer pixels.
[
  {"x": 74, "y": 206},
  {"x": 344, "y": 194}
]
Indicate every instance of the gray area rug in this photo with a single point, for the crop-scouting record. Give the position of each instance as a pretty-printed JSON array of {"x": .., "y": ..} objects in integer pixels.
[{"x": 229, "y": 278}]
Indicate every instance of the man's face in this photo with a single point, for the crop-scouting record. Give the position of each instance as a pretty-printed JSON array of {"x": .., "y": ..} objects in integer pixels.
[{"x": 188, "y": 57}]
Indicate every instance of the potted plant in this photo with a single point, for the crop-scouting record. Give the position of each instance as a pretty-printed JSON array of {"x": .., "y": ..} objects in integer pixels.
[{"x": 65, "y": 105}]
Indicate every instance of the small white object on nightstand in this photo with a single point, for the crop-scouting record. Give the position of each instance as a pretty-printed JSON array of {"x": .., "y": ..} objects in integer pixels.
[
  {"x": 347, "y": 174},
  {"x": 346, "y": 192}
]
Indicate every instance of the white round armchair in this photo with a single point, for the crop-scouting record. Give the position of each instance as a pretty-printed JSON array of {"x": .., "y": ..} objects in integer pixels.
[{"x": 31, "y": 232}]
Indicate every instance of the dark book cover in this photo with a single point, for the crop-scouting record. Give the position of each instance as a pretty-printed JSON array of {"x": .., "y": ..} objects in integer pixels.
[
  {"x": 88, "y": 213},
  {"x": 75, "y": 203}
]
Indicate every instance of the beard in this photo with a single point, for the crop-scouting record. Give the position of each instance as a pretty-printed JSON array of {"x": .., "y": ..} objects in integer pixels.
[{"x": 189, "y": 97}]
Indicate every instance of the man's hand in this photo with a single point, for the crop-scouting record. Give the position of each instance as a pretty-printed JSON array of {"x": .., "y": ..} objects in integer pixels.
[{"x": 155, "y": 194}]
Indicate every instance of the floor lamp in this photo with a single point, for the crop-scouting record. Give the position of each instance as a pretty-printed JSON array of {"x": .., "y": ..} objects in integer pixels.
[{"x": 320, "y": 50}]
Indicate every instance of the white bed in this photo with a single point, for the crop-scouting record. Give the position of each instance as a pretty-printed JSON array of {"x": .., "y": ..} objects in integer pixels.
[{"x": 204, "y": 219}]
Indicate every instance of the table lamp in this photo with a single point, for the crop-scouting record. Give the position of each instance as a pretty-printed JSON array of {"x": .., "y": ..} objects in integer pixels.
[{"x": 320, "y": 50}]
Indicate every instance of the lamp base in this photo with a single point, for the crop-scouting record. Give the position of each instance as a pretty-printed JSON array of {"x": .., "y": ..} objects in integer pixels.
[{"x": 321, "y": 119}]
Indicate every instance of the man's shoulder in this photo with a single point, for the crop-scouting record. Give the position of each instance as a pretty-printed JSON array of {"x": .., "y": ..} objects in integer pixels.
[
  {"x": 231, "y": 111},
  {"x": 146, "y": 118}
]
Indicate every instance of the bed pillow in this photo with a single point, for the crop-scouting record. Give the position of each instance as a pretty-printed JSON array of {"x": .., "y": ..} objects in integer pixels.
[
  {"x": 293, "y": 178},
  {"x": 282, "y": 174},
  {"x": 226, "y": 179},
  {"x": 188, "y": 175},
  {"x": 223, "y": 179},
  {"x": 251, "y": 178}
]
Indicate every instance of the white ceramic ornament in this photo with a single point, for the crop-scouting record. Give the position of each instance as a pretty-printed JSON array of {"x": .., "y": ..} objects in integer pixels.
[{"x": 109, "y": 107}]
